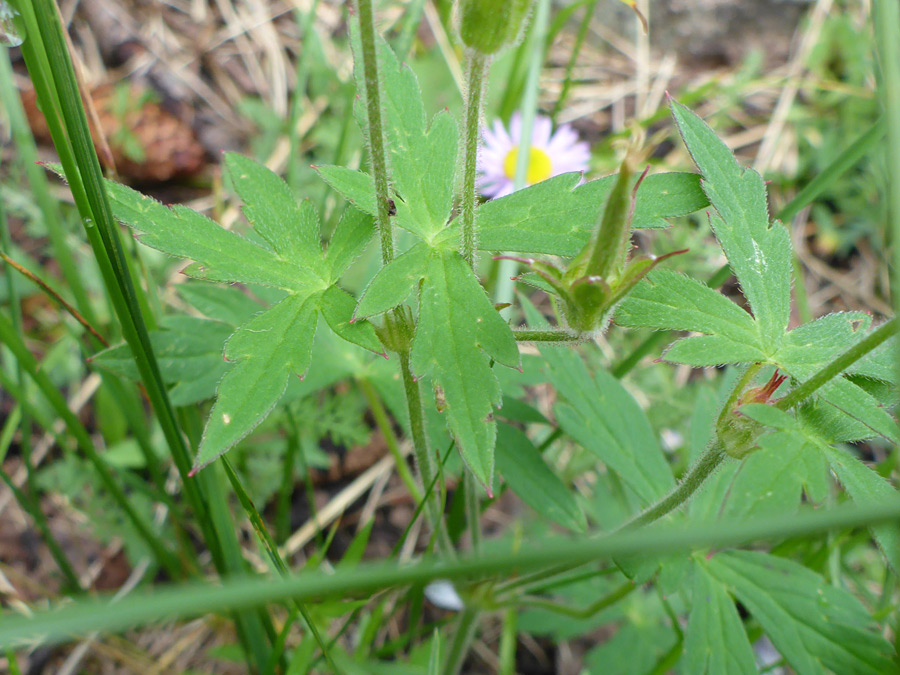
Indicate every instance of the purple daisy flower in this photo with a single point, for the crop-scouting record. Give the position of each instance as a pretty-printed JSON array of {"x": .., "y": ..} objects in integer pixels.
[{"x": 550, "y": 154}]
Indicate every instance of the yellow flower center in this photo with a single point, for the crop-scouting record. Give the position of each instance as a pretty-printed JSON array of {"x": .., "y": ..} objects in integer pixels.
[{"x": 539, "y": 165}]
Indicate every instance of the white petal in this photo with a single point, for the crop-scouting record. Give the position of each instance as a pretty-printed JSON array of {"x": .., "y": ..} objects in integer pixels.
[{"x": 441, "y": 593}]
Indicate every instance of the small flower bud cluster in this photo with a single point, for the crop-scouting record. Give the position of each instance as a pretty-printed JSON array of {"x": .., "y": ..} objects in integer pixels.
[{"x": 487, "y": 26}]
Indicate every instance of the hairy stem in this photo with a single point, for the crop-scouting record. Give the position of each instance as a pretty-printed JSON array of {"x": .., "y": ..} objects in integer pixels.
[
  {"x": 376, "y": 131},
  {"x": 384, "y": 425},
  {"x": 840, "y": 364},
  {"x": 475, "y": 78},
  {"x": 546, "y": 336},
  {"x": 424, "y": 460},
  {"x": 702, "y": 469}
]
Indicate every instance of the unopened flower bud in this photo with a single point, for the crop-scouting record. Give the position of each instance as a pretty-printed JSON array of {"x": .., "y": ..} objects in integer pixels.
[{"x": 489, "y": 25}]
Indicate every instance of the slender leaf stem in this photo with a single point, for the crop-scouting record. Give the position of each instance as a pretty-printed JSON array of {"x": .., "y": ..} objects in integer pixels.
[
  {"x": 384, "y": 425},
  {"x": 375, "y": 130},
  {"x": 508, "y": 640},
  {"x": 473, "y": 510},
  {"x": 886, "y": 17},
  {"x": 43, "y": 285},
  {"x": 476, "y": 75},
  {"x": 580, "y": 612},
  {"x": 259, "y": 526},
  {"x": 736, "y": 391},
  {"x": 702, "y": 469},
  {"x": 840, "y": 364},
  {"x": 424, "y": 461},
  {"x": 56, "y": 86},
  {"x": 546, "y": 336}
]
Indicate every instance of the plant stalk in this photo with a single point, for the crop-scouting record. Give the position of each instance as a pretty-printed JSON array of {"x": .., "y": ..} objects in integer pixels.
[
  {"x": 376, "y": 128},
  {"x": 424, "y": 461},
  {"x": 476, "y": 74}
]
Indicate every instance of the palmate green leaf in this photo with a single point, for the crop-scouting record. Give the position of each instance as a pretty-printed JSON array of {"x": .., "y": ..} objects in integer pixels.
[
  {"x": 219, "y": 255},
  {"x": 862, "y": 484},
  {"x": 356, "y": 187},
  {"x": 810, "y": 347},
  {"x": 604, "y": 418},
  {"x": 350, "y": 238},
  {"x": 520, "y": 464},
  {"x": 271, "y": 209},
  {"x": 759, "y": 254},
  {"x": 267, "y": 350},
  {"x": 716, "y": 642},
  {"x": 394, "y": 282},
  {"x": 271, "y": 345},
  {"x": 558, "y": 216},
  {"x": 772, "y": 479},
  {"x": 667, "y": 300},
  {"x": 814, "y": 625},
  {"x": 422, "y": 159},
  {"x": 227, "y": 304},
  {"x": 457, "y": 331}
]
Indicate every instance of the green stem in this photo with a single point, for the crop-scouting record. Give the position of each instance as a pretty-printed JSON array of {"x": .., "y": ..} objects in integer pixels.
[
  {"x": 702, "y": 469},
  {"x": 52, "y": 73},
  {"x": 473, "y": 510},
  {"x": 376, "y": 131},
  {"x": 886, "y": 17},
  {"x": 462, "y": 640},
  {"x": 424, "y": 462},
  {"x": 277, "y": 561},
  {"x": 475, "y": 80},
  {"x": 736, "y": 392},
  {"x": 546, "y": 336},
  {"x": 580, "y": 612},
  {"x": 840, "y": 364},
  {"x": 508, "y": 640},
  {"x": 387, "y": 430}
]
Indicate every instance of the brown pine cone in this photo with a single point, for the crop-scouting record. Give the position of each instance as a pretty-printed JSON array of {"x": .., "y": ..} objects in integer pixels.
[{"x": 148, "y": 143}]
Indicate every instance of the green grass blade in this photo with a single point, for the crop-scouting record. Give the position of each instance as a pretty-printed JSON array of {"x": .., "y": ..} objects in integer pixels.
[{"x": 237, "y": 595}]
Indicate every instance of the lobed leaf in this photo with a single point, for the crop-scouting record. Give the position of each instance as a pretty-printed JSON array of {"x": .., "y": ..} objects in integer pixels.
[
  {"x": 671, "y": 301},
  {"x": 220, "y": 255},
  {"x": 352, "y": 235},
  {"x": 604, "y": 418},
  {"x": 189, "y": 354},
  {"x": 559, "y": 215},
  {"x": 520, "y": 464},
  {"x": 394, "y": 282},
  {"x": 716, "y": 642},
  {"x": 227, "y": 304},
  {"x": 356, "y": 187},
  {"x": 814, "y": 625},
  {"x": 866, "y": 487},
  {"x": 760, "y": 255},
  {"x": 458, "y": 329},
  {"x": 269, "y": 205},
  {"x": 422, "y": 159},
  {"x": 267, "y": 349},
  {"x": 810, "y": 347}
]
